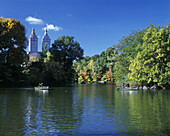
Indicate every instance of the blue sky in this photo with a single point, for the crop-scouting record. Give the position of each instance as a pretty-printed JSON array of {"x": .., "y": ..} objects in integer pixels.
[{"x": 95, "y": 24}]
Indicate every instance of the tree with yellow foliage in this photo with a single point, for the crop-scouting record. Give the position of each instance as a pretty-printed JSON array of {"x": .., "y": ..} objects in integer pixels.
[
  {"x": 12, "y": 53},
  {"x": 152, "y": 63}
]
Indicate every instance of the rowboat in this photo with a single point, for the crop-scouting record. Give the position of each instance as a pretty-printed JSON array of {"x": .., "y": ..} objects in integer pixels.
[
  {"x": 101, "y": 82},
  {"x": 128, "y": 88},
  {"x": 41, "y": 88}
]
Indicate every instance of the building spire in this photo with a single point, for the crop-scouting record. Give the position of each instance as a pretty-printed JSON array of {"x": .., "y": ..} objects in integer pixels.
[
  {"x": 46, "y": 40},
  {"x": 46, "y": 34},
  {"x": 33, "y": 42},
  {"x": 33, "y": 31}
]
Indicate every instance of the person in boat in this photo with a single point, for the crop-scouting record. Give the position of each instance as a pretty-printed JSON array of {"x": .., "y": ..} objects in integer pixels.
[
  {"x": 40, "y": 84},
  {"x": 123, "y": 86},
  {"x": 127, "y": 85}
]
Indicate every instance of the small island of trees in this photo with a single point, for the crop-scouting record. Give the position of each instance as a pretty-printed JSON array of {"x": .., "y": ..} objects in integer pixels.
[{"x": 141, "y": 58}]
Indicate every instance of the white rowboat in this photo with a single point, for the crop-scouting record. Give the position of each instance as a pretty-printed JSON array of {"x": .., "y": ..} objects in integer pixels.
[
  {"x": 127, "y": 88},
  {"x": 41, "y": 88}
]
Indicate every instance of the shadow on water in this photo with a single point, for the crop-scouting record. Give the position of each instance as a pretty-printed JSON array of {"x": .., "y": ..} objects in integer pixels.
[{"x": 94, "y": 109}]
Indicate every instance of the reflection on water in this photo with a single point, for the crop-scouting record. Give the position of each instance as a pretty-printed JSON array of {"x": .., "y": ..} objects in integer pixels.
[
  {"x": 42, "y": 92},
  {"x": 84, "y": 110}
]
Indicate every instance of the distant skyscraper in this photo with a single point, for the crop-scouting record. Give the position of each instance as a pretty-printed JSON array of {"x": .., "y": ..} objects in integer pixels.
[
  {"x": 33, "y": 42},
  {"x": 33, "y": 45},
  {"x": 46, "y": 41}
]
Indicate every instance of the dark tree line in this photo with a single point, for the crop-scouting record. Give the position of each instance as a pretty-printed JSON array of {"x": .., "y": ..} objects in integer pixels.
[{"x": 55, "y": 67}]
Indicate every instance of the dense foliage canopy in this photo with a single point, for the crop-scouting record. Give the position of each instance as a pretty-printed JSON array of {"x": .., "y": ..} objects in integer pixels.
[
  {"x": 65, "y": 50},
  {"x": 12, "y": 50},
  {"x": 152, "y": 63},
  {"x": 96, "y": 68},
  {"x": 128, "y": 49},
  {"x": 55, "y": 67},
  {"x": 141, "y": 58}
]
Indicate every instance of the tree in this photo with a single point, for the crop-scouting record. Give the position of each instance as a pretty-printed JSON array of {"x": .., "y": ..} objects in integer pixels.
[
  {"x": 91, "y": 66},
  {"x": 35, "y": 73},
  {"x": 12, "y": 50},
  {"x": 96, "y": 66},
  {"x": 152, "y": 63},
  {"x": 53, "y": 73},
  {"x": 12, "y": 42},
  {"x": 44, "y": 50},
  {"x": 128, "y": 49},
  {"x": 111, "y": 54},
  {"x": 65, "y": 50}
]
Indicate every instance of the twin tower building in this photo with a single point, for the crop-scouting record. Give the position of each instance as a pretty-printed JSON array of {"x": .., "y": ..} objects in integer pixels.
[{"x": 33, "y": 44}]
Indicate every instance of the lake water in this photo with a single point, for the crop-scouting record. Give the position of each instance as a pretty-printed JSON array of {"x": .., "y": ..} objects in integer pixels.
[{"x": 84, "y": 110}]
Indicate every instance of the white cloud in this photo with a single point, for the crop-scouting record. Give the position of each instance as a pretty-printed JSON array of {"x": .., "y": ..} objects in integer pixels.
[
  {"x": 33, "y": 20},
  {"x": 52, "y": 27}
]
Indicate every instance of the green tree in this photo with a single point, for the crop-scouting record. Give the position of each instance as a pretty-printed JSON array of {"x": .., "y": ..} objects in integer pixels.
[
  {"x": 53, "y": 73},
  {"x": 91, "y": 66},
  {"x": 152, "y": 63},
  {"x": 96, "y": 66},
  {"x": 12, "y": 50},
  {"x": 128, "y": 49},
  {"x": 12, "y": 42},
  {"x": 65, "y": 50},
  {"x": 34, "y": 73},
  {"x": 44, "y": 51}
]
